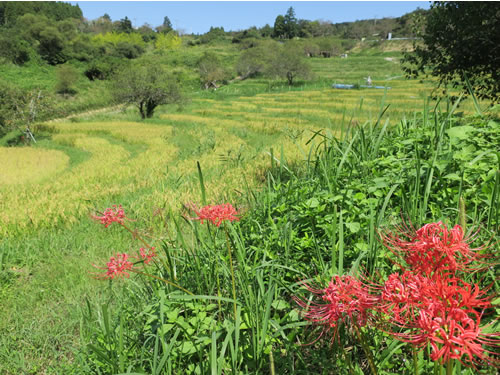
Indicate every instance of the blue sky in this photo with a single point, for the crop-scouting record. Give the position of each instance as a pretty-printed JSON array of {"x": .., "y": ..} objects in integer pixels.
[{"x": 198, "y": 16}]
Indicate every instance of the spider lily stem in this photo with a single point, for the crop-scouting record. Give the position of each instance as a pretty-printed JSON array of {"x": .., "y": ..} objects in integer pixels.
[
  {"x": 366, "y": 349},
  {"x": 232, "y": 270},
  {"x": 135, "y": 235},
  {"x": 449, "y": 367}
]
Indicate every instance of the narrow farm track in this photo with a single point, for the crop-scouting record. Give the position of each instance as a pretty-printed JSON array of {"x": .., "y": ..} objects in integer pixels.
[{"x": 93, "y": 112}]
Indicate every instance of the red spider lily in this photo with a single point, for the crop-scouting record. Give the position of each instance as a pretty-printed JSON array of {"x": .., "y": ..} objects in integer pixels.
[
  {"x": 117, "y": 267},
  {"x": 452, "y": 338},
  {"x": 216, "y": 214},
  {"x": 346, "y": 298},
  {"x": 111, "y": 215},
  {"x": 432, "y": 248},
  {"x": 400, "y": 295},
  {"x": 451, "y": 294},
  {"x": 443, "y": 312},
  {"x": 147, "y": 256}
]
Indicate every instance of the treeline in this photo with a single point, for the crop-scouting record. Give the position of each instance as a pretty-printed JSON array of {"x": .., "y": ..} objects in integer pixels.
[
  {"x": 288, "y": 26},
  {"x": 56, "y": 32},
  {"x": 57, "y": 11}
]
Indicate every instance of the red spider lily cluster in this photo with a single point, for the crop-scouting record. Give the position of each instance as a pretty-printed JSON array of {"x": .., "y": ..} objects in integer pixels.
[
  {"x": 115, "y": 214},
  {"x": 432, "y": 248},
  {"x": 344, "y": 300},
  {"x": 147, "y": 255},
  {"x": 216, "y": 214},
  {"x": 119, "y": 264},
  {"x": 426, "y": 304}
]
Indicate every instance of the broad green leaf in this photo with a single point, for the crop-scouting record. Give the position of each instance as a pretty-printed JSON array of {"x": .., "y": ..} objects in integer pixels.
[
  {"x": 353, "y": 227},
  {"x": 460, "y": 132}
]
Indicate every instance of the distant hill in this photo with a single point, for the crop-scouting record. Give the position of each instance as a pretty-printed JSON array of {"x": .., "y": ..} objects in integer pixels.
[{"x": 404, "y": 26}]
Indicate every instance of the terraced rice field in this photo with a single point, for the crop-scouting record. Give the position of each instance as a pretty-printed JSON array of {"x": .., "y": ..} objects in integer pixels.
[{"x": 230, "y": 136}]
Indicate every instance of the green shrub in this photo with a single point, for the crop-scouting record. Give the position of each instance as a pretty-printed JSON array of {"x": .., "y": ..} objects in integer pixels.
[
  {"x": 14, "y": 49},
  {"x": 67, "y": 76},
  {"x": 104, "y": 68},
  {"x": 128, "y": 50},
  {"x": 11, "y": 100}
]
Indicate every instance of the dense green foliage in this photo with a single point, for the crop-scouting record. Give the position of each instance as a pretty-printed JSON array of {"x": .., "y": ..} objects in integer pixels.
[
  {"x": 460, "y": 48},
  {"x": 66, "y": 78},
  {"x": 288, "y": 62},
  {"x": 10, "y": 99},
  {"x": 286, "y": 26}
]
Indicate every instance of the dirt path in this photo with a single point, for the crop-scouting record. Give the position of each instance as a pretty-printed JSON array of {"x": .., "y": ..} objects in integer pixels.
[{"x": 111, "y": 109}]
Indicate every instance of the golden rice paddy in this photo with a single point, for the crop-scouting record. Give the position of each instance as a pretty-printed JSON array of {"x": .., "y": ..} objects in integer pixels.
[
  {"x": 156, "y": 161},
  {"x": 25, "y": 164}
]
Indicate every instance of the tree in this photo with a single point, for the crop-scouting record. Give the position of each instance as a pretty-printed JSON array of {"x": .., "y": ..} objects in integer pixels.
[
  {"x": 279, "y": 27},
  {"x": 13, "y": 48},
  {"x": 266, "y": 31},
  {"x": 168, "y": 41},
  {"x": 19, "y": 107},
  {"x": 146, "y": 87},
  {"x": 313, "y": 28},
  {"x": 311, "y": 49},
  {"x": 46, "y": 38},
  {"x": 286, "y": 26},
  {"x": 215, "y": 33},
  {"x": 461, "y": 42},
  {"x": 104, "y": 68},
  {"x": 289, "y": 62},
  {"x": 167, "y": 25},
  {"x": 51, "y": 46},
  {"x": 254, "y": 61},
  {"x": 291, "y": 25},
  {"x": 211, "y": 70},
  {"x": 10, "y": 98},
  {"x": 101, "y": 25},
  {"x": 147, "y": 33},
  {"x": 125, "y": 26}
]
